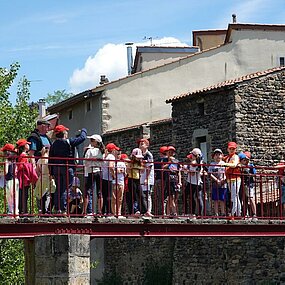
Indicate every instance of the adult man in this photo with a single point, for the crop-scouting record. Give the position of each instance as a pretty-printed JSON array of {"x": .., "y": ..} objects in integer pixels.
[
  {"x": 39, "y": 138},
  {"x": 62, "y": 163}
]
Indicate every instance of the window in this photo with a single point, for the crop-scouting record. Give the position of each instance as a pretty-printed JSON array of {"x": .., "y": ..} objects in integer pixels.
[
  {"x": 88, "y": 106},
  {"x": 201, "y": 142},
  {"x": 70, "y": 115},
  {"x": 281, "y": 61}
]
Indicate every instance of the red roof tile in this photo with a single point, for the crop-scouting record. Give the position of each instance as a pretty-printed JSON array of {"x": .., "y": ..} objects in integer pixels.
[{"x": 227, "y": 83}]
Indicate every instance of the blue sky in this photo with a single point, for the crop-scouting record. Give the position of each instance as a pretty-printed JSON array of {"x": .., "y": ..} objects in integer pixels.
[{"x": 67, "y": 44}]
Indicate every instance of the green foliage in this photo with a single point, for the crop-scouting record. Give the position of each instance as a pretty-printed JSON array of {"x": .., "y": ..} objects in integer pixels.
[
  {"x": 12, "y": 262},
  {"x": 15, "y": 121},
  {"x": 57, "y": 97}
]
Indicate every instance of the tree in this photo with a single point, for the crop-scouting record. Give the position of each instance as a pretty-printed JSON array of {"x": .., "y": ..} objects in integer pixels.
[
  {"x": 15, "y": 122},
  {"x": 57, "y": 97}
]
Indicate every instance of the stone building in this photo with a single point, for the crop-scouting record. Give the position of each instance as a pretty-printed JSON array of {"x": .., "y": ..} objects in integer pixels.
[
  {"x": 248, "y": 110},
  {"x": 140, "y": 97}
]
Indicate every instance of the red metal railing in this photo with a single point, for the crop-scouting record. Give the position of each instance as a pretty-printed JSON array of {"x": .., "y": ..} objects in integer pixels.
[{"x": 127, "y": 192}]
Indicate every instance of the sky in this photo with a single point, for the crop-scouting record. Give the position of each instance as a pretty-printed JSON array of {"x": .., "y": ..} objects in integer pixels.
[{"x": 68, "y": 44}]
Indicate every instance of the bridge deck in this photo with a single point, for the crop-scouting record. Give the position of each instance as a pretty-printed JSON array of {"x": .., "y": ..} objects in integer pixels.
[{"x": 99, "y": 227}]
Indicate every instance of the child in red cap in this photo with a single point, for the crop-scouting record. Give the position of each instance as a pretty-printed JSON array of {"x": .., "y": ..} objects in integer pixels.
[{"x": 233, "y": 176}]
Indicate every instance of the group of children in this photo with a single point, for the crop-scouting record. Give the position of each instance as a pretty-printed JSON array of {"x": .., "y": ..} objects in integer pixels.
[{"x": 136, "y": 179}]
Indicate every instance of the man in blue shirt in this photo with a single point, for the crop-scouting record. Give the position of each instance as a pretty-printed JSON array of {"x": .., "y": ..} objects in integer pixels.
[{"x": 39, "y": 138}]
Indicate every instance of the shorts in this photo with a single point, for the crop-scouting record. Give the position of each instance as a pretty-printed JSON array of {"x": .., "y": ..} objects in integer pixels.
[
  {"x": 249, "y": 191},
  {"x": 219, "y": 194}
]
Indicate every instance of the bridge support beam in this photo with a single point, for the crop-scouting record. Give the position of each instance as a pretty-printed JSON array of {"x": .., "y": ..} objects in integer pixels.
[{"x": 58, "y": 259}]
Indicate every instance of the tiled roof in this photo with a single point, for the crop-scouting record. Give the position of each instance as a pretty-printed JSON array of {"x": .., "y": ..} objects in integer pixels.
[{"x": 227, "y": 83}]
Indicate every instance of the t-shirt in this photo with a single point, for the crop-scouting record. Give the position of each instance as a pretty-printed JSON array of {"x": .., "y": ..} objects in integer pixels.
[
  {"x": 148, "y": 158},
  {"x": 218, "y": 171},
  {"x": 106, "y": 174},
  {"x": 92, "y": 166},
  {"x": 120, "y": 170},
  {"x": 194, "y": 175}
]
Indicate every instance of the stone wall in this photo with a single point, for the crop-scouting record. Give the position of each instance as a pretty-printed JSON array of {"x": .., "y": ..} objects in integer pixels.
[
  {"x": 210, "y": 115},
  {"x": 159, "y": 133},
  {"x": 197, "y": 260},
  {"x": 251, "y": 113},
  {"x": 59, "y": 259},
  {"x": 126, "y": 139},
  {"x": 260, "y": 116}
]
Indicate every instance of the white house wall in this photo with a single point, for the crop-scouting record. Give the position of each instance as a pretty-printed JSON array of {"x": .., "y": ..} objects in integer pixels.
[{"x": 141, "y": 98}]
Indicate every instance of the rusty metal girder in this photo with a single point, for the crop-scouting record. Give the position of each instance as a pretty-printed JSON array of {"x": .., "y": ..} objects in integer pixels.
[{"x": 28, "y": 230}]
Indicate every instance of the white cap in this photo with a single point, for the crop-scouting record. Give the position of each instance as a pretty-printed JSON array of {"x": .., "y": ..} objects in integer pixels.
[
  {"x": 137, "y": 153},
  {"x": 196, "y": 151},
  {"x": 97, "y": 138}
]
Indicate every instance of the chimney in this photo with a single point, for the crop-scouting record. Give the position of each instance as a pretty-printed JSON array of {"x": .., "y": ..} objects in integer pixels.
[
  {"x": 234, "y": 16},
  {"x": 103, "y": 79},
  {"x": 42, "y": 108},
  {"x": 130, "y": 57}
]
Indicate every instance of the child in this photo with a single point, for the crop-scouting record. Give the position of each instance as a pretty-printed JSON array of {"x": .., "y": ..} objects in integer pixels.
[
  {"x": 92, "y": 172},
  {"x": 45, "y": 186},
  {"x": 26, "y": 174},
  {"x": 194, "y": 182},
  {"x": 233, "y": 177},
  {"x": 248, "y": 181},
  {"x": 281, "y": 183},
  {"x": 173, "y": 182},
  {"x": 219, "y": 186},
  {"x": 75, "y": 198},
  {"x": 11, "y": 180},
  {"x": 118, "y": 184},
  {"x": 136, "y": 199}
]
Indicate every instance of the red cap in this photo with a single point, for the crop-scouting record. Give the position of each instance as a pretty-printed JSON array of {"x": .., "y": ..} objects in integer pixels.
[
  {"x": 248, "y": 154},
  {"x": 8, "y": 147},
  {"x": 22, "y": 142},
  {"x": 123, "y": 156},
  {"x": 111, "y": 147},
  {"x": 171, "y": 148},
  {"x": 190, "y": 156},
  {"x": 163, "y": 149},
  {"x": 232, "y": 145},
  {"x": 60, "y": 129}
]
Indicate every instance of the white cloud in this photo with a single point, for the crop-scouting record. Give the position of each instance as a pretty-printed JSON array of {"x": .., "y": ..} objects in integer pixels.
[{"x": 110, "y": 60}]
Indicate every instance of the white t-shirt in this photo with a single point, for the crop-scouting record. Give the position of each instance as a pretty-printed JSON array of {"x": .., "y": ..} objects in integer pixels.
[
  {"x": 194, "y": 176},
  {"x": 106, "y": 174},
  {"x": 218, "y": 171},
  {"x": 150, "y": 166},
  {"x": 91, "y": 165},
  {"x": 120, "y": 175}
]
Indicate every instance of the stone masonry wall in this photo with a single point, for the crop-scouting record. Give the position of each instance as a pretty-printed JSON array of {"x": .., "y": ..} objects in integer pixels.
[
  {"x": 260, "y": 117},
  {"x": 125, "y": 139},
  {"x": 216, "y": 119},
  {"x": 199, "y": 260},
  {"x": 160, "y": 134}
]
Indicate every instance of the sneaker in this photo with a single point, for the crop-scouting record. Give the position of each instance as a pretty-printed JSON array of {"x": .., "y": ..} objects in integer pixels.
[
  {"x": 137, "y": 213},
  {"x": 121, "y": 217},
  {"x": 148, "y": 214},
  {"x": 254, "y": 218}
]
